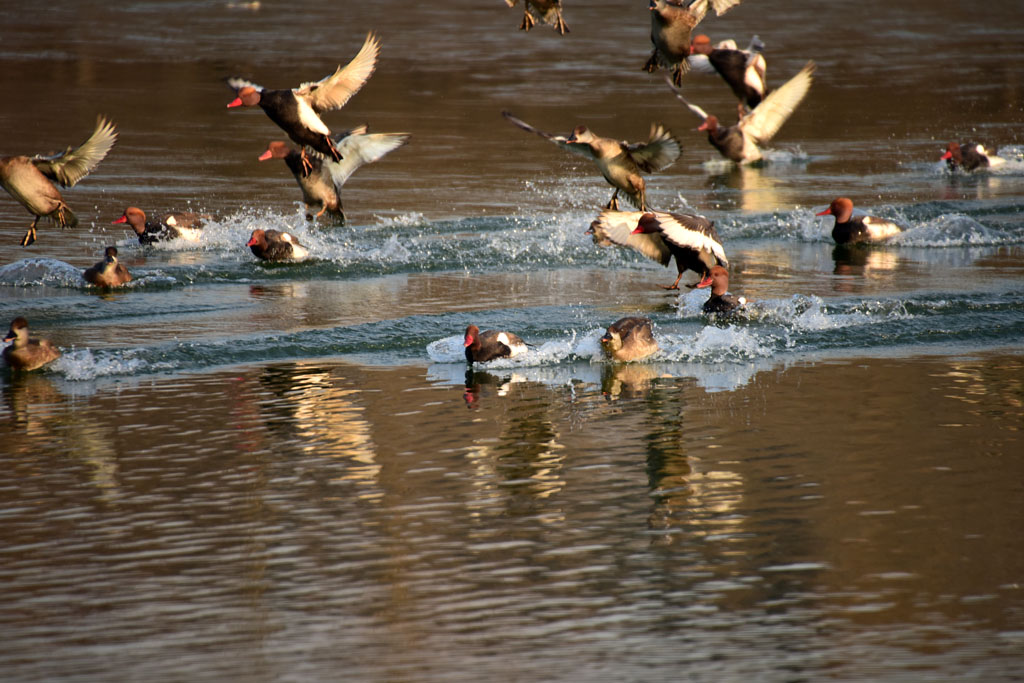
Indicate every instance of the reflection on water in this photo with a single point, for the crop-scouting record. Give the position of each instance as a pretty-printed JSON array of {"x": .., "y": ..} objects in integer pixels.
[{"x": 334, "y": 509}]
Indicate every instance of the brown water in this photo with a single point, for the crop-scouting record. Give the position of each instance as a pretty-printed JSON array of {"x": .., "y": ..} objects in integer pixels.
[{"x": 242, "y": 472}]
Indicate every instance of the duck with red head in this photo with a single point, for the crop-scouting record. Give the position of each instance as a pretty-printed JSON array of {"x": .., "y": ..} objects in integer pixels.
[
  {"x": 740, "y": 142},
  {"x": 184, "y": 225},
  {"x": 109, "y": 272},
  {"x": 628, "y": 339},
  {"x": 25, "y": 353},
  {"x": 321, "y": 186},
  {"x": 276, "y": 245},
  {"x": 692, "y": 240},
  {"x": 620, "y": 163},
  {"x": 671, "y": 24},
  {"x": 721, "y": 302},
  {"x": 859, "y": 230},
  {"x": 970, "y": 156},
  {"x": 297, "y": 111},
  {"x": 743, "y": 70},
  {"x": 484, "y": 346}
]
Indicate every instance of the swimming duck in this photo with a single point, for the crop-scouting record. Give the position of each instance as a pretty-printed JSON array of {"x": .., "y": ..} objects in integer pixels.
[
  {"x": 276, "y": 245},
  {"x": 25, "y": 353},
  {"x": 321, "y": 187},
  {"x": 30, "y": 179},
  {"x": 721, "y": 302},
  {"x": 184, "y": 225},
  {"x": 743, "y": 70},
  {"x": 484, "y": 346},
  {"x": 970, "y": 156},
  {"x": 740, "y": 142},
  {"x": 548, "y": 11},
  {"x": 671, "y": 24},
  {"x": 629, "y": 339},
  {"x": 297, "y": 111},
  {"x": 620, "y": 163},
  {"x": 850, "y": 230},
  {"x": 660, "y": 236},
  {"x": 109, "y": 272}
]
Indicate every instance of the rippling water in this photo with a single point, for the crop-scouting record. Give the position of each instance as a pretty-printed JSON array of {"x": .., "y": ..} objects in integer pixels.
[{"x": 284, "y": 472}]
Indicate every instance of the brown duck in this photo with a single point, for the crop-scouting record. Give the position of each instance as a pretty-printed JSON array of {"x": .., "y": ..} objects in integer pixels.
[
  {"x": 629, "y": 339},
  {"x": 26, "y": 353},
  {"x": 109, "y": 272},
  {"x": 184, "y": 225},
  {"x": 30, "y": 180}
]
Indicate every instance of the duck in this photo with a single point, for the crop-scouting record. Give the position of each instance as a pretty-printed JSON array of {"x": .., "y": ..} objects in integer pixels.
[
  {"x": 276, "y": 245},
  {"x": 109, "y": 272},
  {"x": 297, "y": 111},
  {"x": 484, "y": 346},
  {"x": 629, "y": 338},
  {"x": 548, "y": 11},
  {"x": 859, "y": 230},
  {"x": 692, "y": 240},
  {"x": 970, "y": 156},
  {"x": 739, "y": 142},
  {"x": 721, "y": 302},
  {"x": 672, "y": 21},
  {"x": 25, "y": 353},
  {"x": 186, "y": 225},
  {"x": 743, "y": 70},
  {"x": 30, "y": 180},
  {"x": 321, "y": 188},
  {"x": 621, "y": 163}
]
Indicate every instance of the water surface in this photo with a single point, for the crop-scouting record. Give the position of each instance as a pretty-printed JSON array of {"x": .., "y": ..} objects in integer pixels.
[{"x": 282, "y": 472}]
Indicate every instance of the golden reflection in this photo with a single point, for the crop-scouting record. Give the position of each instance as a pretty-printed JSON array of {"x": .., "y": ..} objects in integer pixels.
[
  {"x": 994, "y": 387},
  {"x": 527, "y": 458},
  {"x": 627, "y": 380},
  {"x": 758, "y": 190},
  {"x": 42, "y": 419},
  {"x": 326, "y": 418}
]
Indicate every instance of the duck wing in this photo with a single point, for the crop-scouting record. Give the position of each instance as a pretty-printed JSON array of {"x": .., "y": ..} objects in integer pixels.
[
  {"x": 698, "y": 112},
  {"x": 560, "y": 140},
  {"x": 689, "y": 231},
  {"x": 335, "y": 90},
  {"x": 661, "y": 150},
  {"x": 74, "y": 163},
  {"x": 616, "y": 227},
  {"x": 357, "y": 148},
  {"x": 767, "y": 117}
]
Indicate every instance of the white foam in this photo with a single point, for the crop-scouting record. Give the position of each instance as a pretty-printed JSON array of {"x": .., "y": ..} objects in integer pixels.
[
  {"x": 83, "y": 364},
  {"x": 41, "y": 271}
]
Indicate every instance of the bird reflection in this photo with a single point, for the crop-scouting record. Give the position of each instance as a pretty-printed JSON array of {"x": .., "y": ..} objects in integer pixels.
[
  {"x": 43, "y": 422},
  {"x": 626, "y": 380},
  {"x": 747, "y": 187},
  {"x": 314, "y": 407},
  {"x": 861, "y": 262}
]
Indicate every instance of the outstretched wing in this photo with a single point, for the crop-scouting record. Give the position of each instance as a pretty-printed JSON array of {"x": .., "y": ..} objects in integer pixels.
[
  {"x": 700, "y": 113},
  {"x": 236, "y": 84},
  {"x": 335, "y": 90},
  {"x": 661, "y": 150},
  {"x": 73, "y": 164},
  {"x": 616, "y": 227},
  {"x": 767, "y": 117},
  {"x": 560, "y": 140},
  {"x": 690, "y": 232},
  {"x": 358, "y": 148}
]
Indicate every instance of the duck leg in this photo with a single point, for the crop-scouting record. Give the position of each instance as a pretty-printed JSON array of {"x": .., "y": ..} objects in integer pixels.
[
  {"x": 30, "y": 236},
  {"x": 613, "y": 203},
  {"x": 307, "y": 165},
  {"x": 527, "y": 20},
  {"x": 652, "y": 64},
  {"x": 560, "y": 25},
  {"x": 674, "y": 285}
]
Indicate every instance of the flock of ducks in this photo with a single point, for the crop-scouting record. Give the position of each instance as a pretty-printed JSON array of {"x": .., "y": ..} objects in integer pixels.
[{"x": 324, "y": 161}]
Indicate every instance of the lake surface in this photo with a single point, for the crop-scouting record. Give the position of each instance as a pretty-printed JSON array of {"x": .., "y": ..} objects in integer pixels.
[{"x": 243, "y": 471}]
